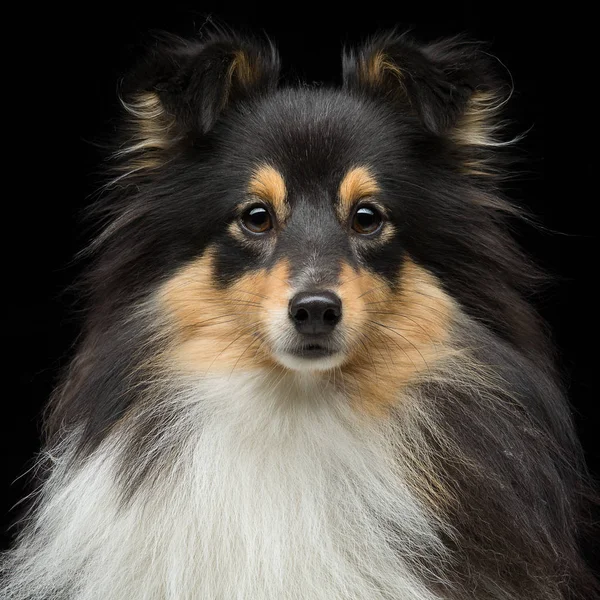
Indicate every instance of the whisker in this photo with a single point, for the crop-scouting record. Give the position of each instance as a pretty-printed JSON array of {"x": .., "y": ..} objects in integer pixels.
[
  {"x": 383, "y": 356},
  {"x": 244, "y": 331},
  {"x": 404, "y": 316},
  {"x": 370, "y": 291},
  {"x": 399, "y": 314},
  {"x": 224, "y": 316},
  {"x": 395, "y": 329},
  {"x": 242, "y": 354},
  {"x": 428, "y": 308},
  {"x": 362, "y": 336},
  {"x": 342, "y": 380},
  {"x": 244, "y": 302},
  {"x": 384, "y": 339},
  {"x": 357, "y": 386},
  {"x": 370, "y": 357},
  {"x": 257, "y": 349},
  {"x": 253, "y": 294},
  {"x": 279, "y": 379},
  {"x": 233, "y": 301},
  {"x": 353, "y": 279},
  {"x": 268, "y": 373},
  {"x": 406, "y": 340},
  {"x": 269, "y": 274}
]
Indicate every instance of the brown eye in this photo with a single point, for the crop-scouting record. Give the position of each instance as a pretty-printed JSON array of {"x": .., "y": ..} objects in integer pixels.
[
  {"x": 366, "y": 220},
  {"x": 257, "y": 219}
]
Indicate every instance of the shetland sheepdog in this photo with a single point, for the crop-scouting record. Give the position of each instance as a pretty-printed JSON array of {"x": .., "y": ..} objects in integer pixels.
[{"x": 309, "y": 369}]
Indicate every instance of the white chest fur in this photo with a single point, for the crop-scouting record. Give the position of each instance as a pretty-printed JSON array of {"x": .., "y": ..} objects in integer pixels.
[{"x": 274, "y": 491}]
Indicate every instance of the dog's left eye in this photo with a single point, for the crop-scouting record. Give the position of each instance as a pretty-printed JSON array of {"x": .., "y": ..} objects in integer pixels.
[
  {"x": 366, "y": 220},
  {"x": 257, "y": 219}
]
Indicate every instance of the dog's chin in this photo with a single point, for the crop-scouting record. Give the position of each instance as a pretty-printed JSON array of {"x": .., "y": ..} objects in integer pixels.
[{"x": 312, "y": 357}]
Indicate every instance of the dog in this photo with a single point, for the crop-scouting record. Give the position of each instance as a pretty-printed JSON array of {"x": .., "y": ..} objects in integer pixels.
[{"x": 309, "y": 368}]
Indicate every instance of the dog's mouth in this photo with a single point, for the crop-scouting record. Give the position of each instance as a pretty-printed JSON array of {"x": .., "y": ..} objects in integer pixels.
[
  {"x": 312, "y": 355},
  {"x": 313, "y": 350}
]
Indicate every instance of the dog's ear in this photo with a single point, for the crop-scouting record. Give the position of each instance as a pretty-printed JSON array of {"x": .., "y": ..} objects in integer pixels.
[
  {"x": 182, "y": 87},
  {"x": 448, "y": 85}
]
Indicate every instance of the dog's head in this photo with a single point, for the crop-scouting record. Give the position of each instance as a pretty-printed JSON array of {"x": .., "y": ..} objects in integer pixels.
[{"x": 310, "y": 228}]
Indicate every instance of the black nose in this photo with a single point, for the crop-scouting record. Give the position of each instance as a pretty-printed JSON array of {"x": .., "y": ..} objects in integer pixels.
[{"x": 315, "y": 312}]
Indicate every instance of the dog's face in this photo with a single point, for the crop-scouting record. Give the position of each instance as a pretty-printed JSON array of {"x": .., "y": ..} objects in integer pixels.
[
  {"x": 306, "y": 267},
  {"x": 302, "y": 228}
]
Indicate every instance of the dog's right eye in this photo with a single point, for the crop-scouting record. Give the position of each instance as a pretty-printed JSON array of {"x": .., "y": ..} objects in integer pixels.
[
  {"x": 367, "y": 220},
  {"x": 257, "y": 219}
]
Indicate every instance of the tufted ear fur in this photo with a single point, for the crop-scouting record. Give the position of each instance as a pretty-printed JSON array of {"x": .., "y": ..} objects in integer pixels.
[
  {"x": 182, "y": 87},
  {"x": 449, "y": 85}
]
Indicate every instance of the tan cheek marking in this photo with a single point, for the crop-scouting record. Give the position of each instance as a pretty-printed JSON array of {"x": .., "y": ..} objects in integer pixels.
[
  {"x": 380, "y": 367},
  {"x": 399, "y": 335},
  {"x": 276, "y": 289},
  {"x": 358, "y": 288},
  {"x": 357, "y": 183},
  {"x": 268, "y": 184},
  {"x": 220, "y": 330}
]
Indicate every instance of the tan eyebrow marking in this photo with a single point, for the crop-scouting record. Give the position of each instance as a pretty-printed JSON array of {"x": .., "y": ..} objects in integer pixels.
[
  {"x": 268, "y": 184},
  {"x": 357, "y": 183}
]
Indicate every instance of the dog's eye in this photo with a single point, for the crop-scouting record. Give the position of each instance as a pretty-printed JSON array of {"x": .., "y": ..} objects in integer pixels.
[
  {"x": 257, "y": 219},
  {"x": 366, "y": 220}
]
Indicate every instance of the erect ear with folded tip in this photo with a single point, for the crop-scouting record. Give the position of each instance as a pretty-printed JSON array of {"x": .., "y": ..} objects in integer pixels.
[
  {"x": 182, "y": 88},
  {"x": 449, "y": 85}
]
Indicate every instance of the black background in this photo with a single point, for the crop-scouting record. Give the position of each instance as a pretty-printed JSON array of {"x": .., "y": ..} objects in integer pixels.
[{"x": 62, "y": 103}]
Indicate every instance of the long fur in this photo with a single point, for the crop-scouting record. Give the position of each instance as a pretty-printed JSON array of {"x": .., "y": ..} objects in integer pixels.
[{"x": 257, "y": 482}]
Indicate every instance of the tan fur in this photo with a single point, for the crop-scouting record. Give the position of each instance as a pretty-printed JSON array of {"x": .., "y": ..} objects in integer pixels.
[
  {"x": 411, "y": 340},
  {"x": 268, "y": 184},
  {"x": 153, "y": 131},
  {"x": 242, "y": 69},
  {"x": 220, "y": 329},
  {"x": 240, "y": 72},
  {"x": 358, "y": 183},
  {"x": 395, "y": 337},
  {"x": 376, "y": 67},
  {"x": 474, "y": 128},
  {"x": 478, "y": 127},
  {"x": 400, "y": 335}
]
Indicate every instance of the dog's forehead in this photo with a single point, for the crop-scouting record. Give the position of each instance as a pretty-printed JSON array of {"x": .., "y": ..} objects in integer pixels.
[{"x": 312, "y": 137}]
